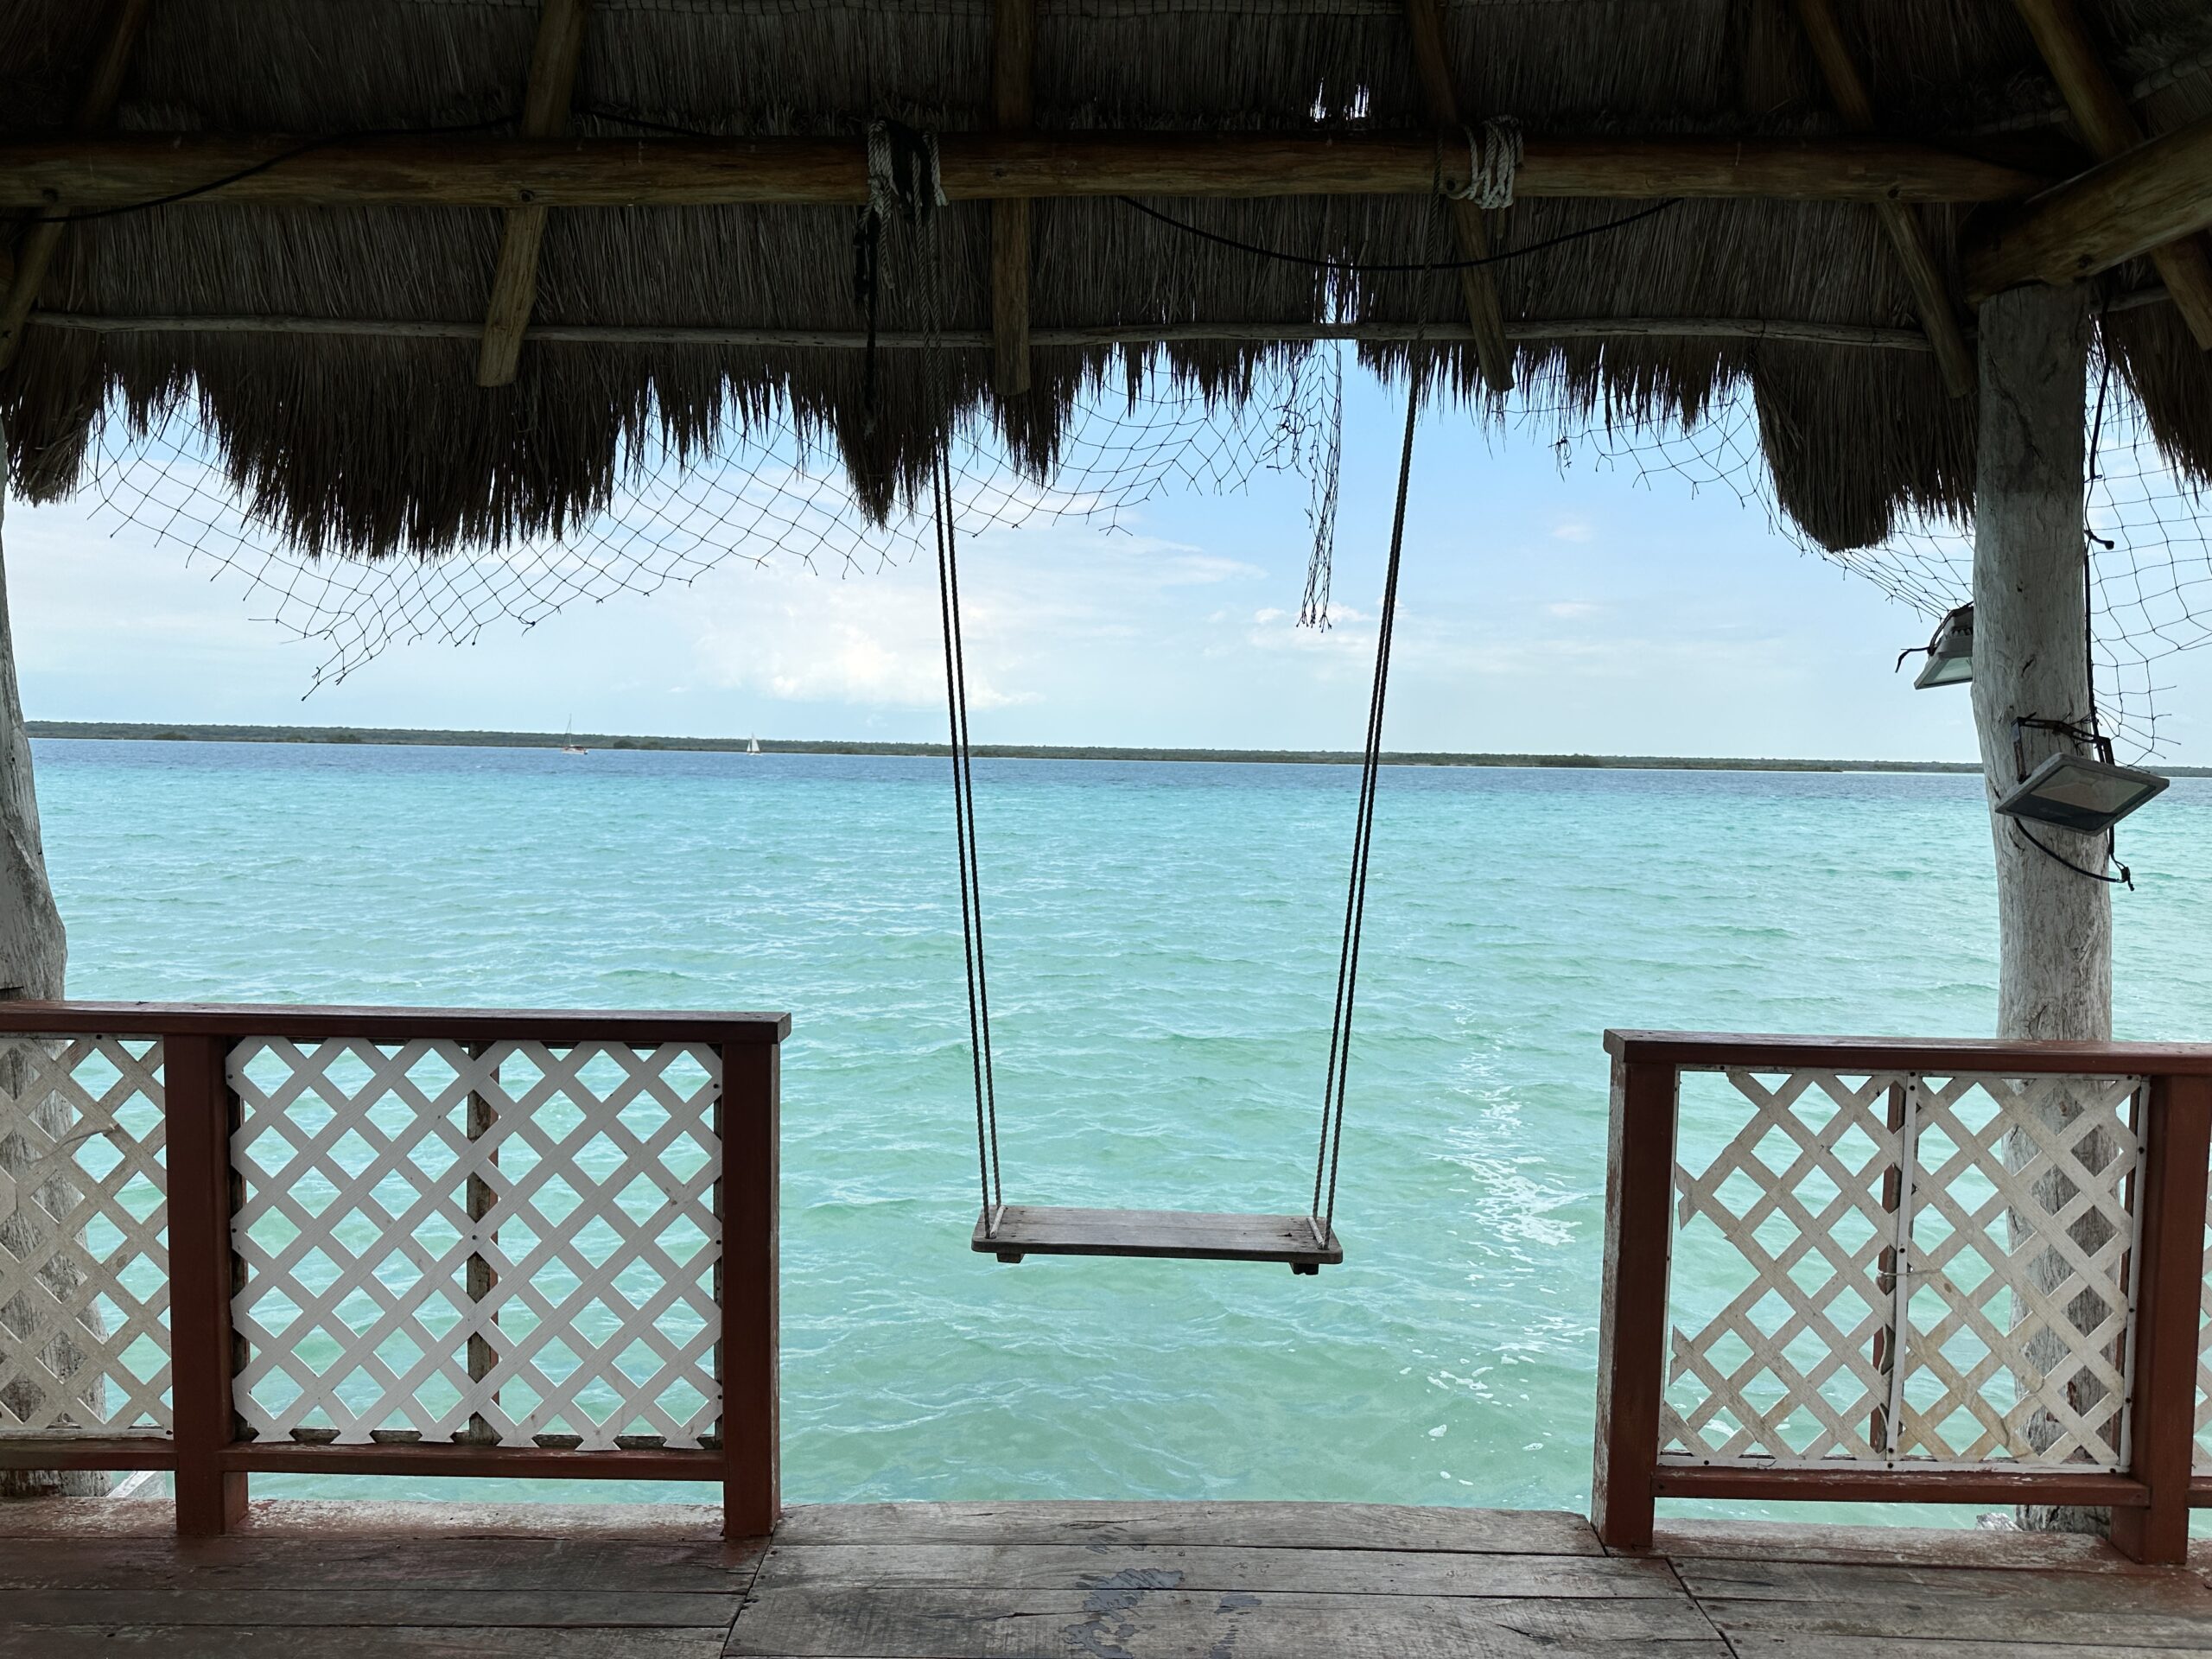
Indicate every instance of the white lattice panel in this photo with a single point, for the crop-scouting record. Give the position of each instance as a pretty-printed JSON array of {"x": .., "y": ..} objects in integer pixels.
[
  {"x": 84, "y": 1244},
  {"x": 1792, "y": 1208},
  {"x": 1963, "y": 1304},
  {"x": 2018, "y": 1311},
  {"x": 517, "y": 1245}
]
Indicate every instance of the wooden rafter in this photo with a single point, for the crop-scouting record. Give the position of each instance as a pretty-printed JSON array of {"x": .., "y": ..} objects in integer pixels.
[
  {"x": 684, "y": 334},
  {"x": 2138, "y": 203},
  {"x": 36, "y": 251},
  {"x": 2110, "y": 130},
  {"x": 98, "y": 170},
  {"x": 1477, "y": 289},
  {"x": 1930, "y": 296},
  {"x": 545, "y": 114},
  {"x": 1014, "y": 98}
]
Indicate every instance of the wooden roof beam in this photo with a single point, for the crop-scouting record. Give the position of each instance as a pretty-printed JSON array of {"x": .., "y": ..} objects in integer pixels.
[
  {"x": 2138, "y": 203},
  {"x": 1014, "y": 78},
  {"x": 43, "y": 238},
  {"x": 552, "y": 85},
  {"x": 1478, "y": 288},
  {"x": 1931, "y": 297},
  {"x": 2108, "y": 126},
  {"x": 111, "y": 171}
]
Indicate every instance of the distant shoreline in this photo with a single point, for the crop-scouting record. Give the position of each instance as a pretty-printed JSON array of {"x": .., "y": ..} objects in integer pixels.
[{"x": 155, "y": 731}]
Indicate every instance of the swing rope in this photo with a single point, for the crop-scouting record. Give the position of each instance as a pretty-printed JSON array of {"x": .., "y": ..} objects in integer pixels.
[
  {"x": 903, "y": 183},
  {"x": 971, "y": 879},
  {"x": 916, "y": 199},
  {"x": 1330, "y": 1151}
]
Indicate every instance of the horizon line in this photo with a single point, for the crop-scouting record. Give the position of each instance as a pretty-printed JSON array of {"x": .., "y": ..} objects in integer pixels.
[{"x": 455, "y": 737}]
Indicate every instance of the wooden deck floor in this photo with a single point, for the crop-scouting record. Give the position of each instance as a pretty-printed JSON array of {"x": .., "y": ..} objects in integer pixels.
[{"x": 1061, "y": 1581}]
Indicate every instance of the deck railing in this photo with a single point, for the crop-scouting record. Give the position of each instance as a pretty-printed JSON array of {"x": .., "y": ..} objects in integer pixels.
[
  {"x": 1964, "y": 1272},
  {"x": 371, "y": 1240}
]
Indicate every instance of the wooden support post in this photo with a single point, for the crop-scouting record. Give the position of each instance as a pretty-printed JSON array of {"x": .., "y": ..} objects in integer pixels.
[
  {"x": 545, "y": 114},
  {"x": 1632, "y": 1307},
  {"x": 1477, "y": 289},
  {"x": 2168, "y": 1273},
  {"x": 2110, "y": 130},
  {"x": 197, "y": 1113},
  {"x": 1013, "y": 96},
  {"x": 36, "y": 249},
  {"x": 746, "y": 1198},
  {"x": 2030, "y": 659},
  {"x": 1930, "y": 296}
]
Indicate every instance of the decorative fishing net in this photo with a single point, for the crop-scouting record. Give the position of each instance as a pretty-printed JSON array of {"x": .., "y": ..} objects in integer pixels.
[
  {"x": 2151, "y": 561},
  {"x": 2149, "y": 542},
  {"x": 778, "y": 499}
]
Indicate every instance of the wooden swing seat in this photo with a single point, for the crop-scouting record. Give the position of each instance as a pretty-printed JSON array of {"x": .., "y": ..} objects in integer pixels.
[{"x": 1183, "y": 1235}]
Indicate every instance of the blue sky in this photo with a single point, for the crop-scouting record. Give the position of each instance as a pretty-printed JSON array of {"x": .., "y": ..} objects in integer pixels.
[{"x": 1541, "y": 611}]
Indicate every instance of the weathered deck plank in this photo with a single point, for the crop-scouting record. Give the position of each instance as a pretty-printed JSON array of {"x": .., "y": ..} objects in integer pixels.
[
  {"x": 1785, "y": 1540},
  {"x": 435, "y": 1564},
  {"x": 1131, "y": 1615},
  {"x": 308, "y": 1607},
  {"x": 2173, "y": 1590},
  {"x": 1061, "y": 1580},
  {"x": 392, "y": 1642},
  {"x": 1251, "y": 1525},
  {"x": 1211, "y": 1567},
  {"x": 1801, "y": 1607}
]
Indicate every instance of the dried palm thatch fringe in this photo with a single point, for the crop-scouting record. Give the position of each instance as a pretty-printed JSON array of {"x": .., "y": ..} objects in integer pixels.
[{"x": 385, "y": 445}]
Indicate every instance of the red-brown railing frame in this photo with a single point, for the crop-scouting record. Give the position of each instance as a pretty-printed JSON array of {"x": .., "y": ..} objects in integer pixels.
[
  {"x": 2149, "y": 1502},
  {"x": 203, "y": 1454}
]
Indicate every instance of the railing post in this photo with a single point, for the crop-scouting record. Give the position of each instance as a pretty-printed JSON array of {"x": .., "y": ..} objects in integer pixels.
[
  {"x": 197, "y": 1113},
  {"x": 2168, "y": 1272},
  {"x": 1632, "y": 1315},
  {"x": 746, "y": 1198}
]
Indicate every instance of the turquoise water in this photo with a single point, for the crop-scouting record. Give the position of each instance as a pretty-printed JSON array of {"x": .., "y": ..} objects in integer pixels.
[{"x": 1163, "y": 958}]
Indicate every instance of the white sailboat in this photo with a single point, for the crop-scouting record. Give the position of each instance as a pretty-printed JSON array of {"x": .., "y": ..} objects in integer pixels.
[
  {"x": 568, "y": 744},
  {"x": 753, "y": 745}
]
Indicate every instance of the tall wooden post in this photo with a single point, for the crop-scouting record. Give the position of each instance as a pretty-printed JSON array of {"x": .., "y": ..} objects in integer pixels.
[
  {"x": 34, "y": 953},
  {"x": 2030, "y": 655},
  {"x": 2031, "y": 661}
]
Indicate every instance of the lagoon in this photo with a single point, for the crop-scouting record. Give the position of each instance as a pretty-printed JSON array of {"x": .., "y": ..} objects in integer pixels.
[{"x": 1163, "y": 954}]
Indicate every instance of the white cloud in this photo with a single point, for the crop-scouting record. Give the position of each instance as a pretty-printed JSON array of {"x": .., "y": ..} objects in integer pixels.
[
  {"x": 1571, "y": 530},
  {"x": 1028, "y": 599},
  {"x": 1571, "y": 609}
]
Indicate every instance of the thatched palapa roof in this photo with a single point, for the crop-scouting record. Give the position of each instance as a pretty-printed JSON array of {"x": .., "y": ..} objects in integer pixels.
[{"x": 278, "y": 317}]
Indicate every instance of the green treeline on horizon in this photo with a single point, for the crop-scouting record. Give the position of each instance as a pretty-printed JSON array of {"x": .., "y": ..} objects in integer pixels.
[{"x": 155, "y": 731}]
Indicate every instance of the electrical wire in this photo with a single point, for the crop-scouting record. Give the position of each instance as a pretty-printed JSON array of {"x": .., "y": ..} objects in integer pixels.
[{"x": 1393, "y": 269}]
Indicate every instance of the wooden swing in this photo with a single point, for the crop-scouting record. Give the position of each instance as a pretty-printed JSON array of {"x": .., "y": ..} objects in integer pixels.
[{"x": 1304, "y": 1242}]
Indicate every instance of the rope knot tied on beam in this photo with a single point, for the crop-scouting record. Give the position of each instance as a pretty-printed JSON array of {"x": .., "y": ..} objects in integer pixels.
[
  {"x": 1494, "y": 151},
  {"x": 903, "y": 178}
]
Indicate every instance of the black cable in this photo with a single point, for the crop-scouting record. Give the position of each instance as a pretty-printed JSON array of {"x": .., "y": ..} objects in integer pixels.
[
  {"x": 1355, "y": 267},
  {"x": 2125, "y": 878},
  {"x": 298, "y": 150}
]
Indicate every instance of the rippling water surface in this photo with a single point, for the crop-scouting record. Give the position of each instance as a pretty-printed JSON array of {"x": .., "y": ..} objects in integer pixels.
[{"x": 1163, "y": 941}]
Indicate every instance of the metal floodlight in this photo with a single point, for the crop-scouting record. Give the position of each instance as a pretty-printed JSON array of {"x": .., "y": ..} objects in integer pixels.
[
  {"x": 1950, "y": 653},
  {"x": 2088, "y": 792}
]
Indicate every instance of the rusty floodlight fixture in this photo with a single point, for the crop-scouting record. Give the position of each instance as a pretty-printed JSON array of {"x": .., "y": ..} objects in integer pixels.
[
  {"x": 1951, "y": 651},
  {"x": 2085, "y": 793}
]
